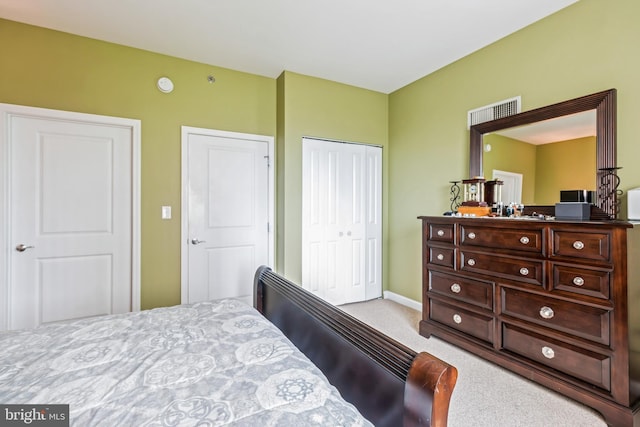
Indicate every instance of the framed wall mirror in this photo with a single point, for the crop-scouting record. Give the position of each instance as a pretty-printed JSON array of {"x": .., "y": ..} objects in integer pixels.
[{"x": 582, "y": 147}]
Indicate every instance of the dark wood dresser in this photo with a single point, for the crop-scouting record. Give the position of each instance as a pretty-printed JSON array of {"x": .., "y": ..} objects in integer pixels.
[{"x": 549, "y": 300}]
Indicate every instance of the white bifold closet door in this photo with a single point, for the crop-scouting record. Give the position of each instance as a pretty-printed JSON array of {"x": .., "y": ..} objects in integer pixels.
[{"x": 341, "y": 220}]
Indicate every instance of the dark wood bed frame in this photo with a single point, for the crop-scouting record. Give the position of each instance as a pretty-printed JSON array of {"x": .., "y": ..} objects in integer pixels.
[{"x": 390, "y": 384}]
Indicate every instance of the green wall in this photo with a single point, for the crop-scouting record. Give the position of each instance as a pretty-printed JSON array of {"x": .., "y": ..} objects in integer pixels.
[
  {"x": 50, "y": 69},
  {"x": 547, "y": 169},
  {"x": 565, "y": 165},
  {"x": 588, "y": 47},
  {"x": 511, "y": 155},
  {"x": 314, "y": 107}
]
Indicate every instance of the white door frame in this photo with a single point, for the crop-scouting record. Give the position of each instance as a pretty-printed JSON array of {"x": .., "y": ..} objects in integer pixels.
[
  {"x": 184, "y": 217},
  {"x": 8, "y": 110}
]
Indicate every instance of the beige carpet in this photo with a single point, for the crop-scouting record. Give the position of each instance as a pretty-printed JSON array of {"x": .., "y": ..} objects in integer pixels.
[{"x": 485, "y": 395}]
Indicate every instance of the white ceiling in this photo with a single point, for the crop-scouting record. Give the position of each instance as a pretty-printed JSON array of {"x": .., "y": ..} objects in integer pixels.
[
  {"x": 373, "y": 44},
  {"x": 565, "y": 128}
]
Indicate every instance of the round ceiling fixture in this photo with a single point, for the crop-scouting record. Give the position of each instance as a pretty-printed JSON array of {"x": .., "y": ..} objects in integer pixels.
[{"x": 165, "y": 84}]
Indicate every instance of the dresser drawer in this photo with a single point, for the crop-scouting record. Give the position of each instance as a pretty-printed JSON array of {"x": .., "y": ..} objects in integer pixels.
[
  {"x": 577, "y": 319},
  {"x": 502, "y": 238},
  {"x": 440, "y": 232},
  {"x": 471, "y": 323},
  {"x": 588, "y": 366},
  {"x": 583, "y": 244},
  {"x": 523, "y": 270},
  {"x": 442, "y": 256},
  {"x": 583, "y": 281},
  {"x": 461, "y": 288}
]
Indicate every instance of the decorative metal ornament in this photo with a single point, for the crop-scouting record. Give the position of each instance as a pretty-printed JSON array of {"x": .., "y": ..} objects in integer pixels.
[
  {"x": 455, "y": 195},
  {"x": 609, "y": 192}
]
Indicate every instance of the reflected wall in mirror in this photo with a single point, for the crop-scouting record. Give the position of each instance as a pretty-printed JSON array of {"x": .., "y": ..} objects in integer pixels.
[
  {"x": 559, "y": 147},
  {"x": 550, "y": 156}
]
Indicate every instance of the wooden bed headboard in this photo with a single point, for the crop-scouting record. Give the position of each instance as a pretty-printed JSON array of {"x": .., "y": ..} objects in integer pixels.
[{"x": 390, "y": 384}]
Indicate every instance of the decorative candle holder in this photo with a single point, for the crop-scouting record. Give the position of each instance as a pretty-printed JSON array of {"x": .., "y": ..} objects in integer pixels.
[
  {"x": 493, "y": 195},
  {"x": 609, "y": 192},
  {"x": 455, "y": 195}
]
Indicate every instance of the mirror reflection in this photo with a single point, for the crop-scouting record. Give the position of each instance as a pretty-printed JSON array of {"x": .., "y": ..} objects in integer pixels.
[
  {"x": 538, "y": 160},
  {"x": 556, "y": 166}
]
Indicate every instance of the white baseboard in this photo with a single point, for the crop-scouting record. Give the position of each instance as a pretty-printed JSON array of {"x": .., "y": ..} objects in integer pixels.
[{"x": 408, "y": 302}]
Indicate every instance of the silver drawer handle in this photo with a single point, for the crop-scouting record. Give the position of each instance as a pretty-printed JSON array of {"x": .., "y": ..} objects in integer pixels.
[
  {"x": 440, "y": 233},
  {"x": 578, "y": 281},
  {"x": 471, "y": 235},
  {"x": 578, "y": 245},
  {"x": 471, "y": 262},
  {"x": 548, "y": 352},
  {"x": 524, "y": 271},
  {"x": 524, "y": 240},
  {"x": 546, "y": 312},
  {"x": 457, "y": 318},
  {"x": 440, "y": 257},
  {"x": 456, "y": 288}
]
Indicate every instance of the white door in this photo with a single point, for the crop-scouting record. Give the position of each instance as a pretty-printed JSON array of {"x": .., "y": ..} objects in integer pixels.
[
  {"x": 342, "y": 226},
  {"x": 227, "y": 189},
  {"x": 512, "y": 187},
  {"x": 70, "y": 216}
]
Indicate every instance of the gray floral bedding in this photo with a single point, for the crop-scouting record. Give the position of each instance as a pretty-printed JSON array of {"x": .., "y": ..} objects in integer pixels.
[{"x": 207, "y": 364}]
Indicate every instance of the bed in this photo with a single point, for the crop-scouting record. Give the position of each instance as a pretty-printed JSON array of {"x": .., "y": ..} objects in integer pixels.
[{"x": 292, "y": 360}]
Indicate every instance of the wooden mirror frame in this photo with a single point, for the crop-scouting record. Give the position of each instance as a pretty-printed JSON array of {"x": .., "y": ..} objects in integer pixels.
[{"x": 605, "y": 105}]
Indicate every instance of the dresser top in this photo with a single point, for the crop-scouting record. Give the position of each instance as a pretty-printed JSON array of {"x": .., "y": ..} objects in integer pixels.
[{"x": 523, "y": 221}]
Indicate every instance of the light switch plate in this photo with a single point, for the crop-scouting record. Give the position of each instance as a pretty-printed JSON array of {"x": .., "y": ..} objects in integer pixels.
[{"x": 166, "y": 212}]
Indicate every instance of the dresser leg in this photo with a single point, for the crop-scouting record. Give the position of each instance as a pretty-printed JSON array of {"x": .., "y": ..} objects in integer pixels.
[{"x": 424, "y": 329}]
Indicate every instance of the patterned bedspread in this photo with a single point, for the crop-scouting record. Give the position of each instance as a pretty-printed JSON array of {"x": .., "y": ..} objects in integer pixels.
[{"x": 208, "y": 364}]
